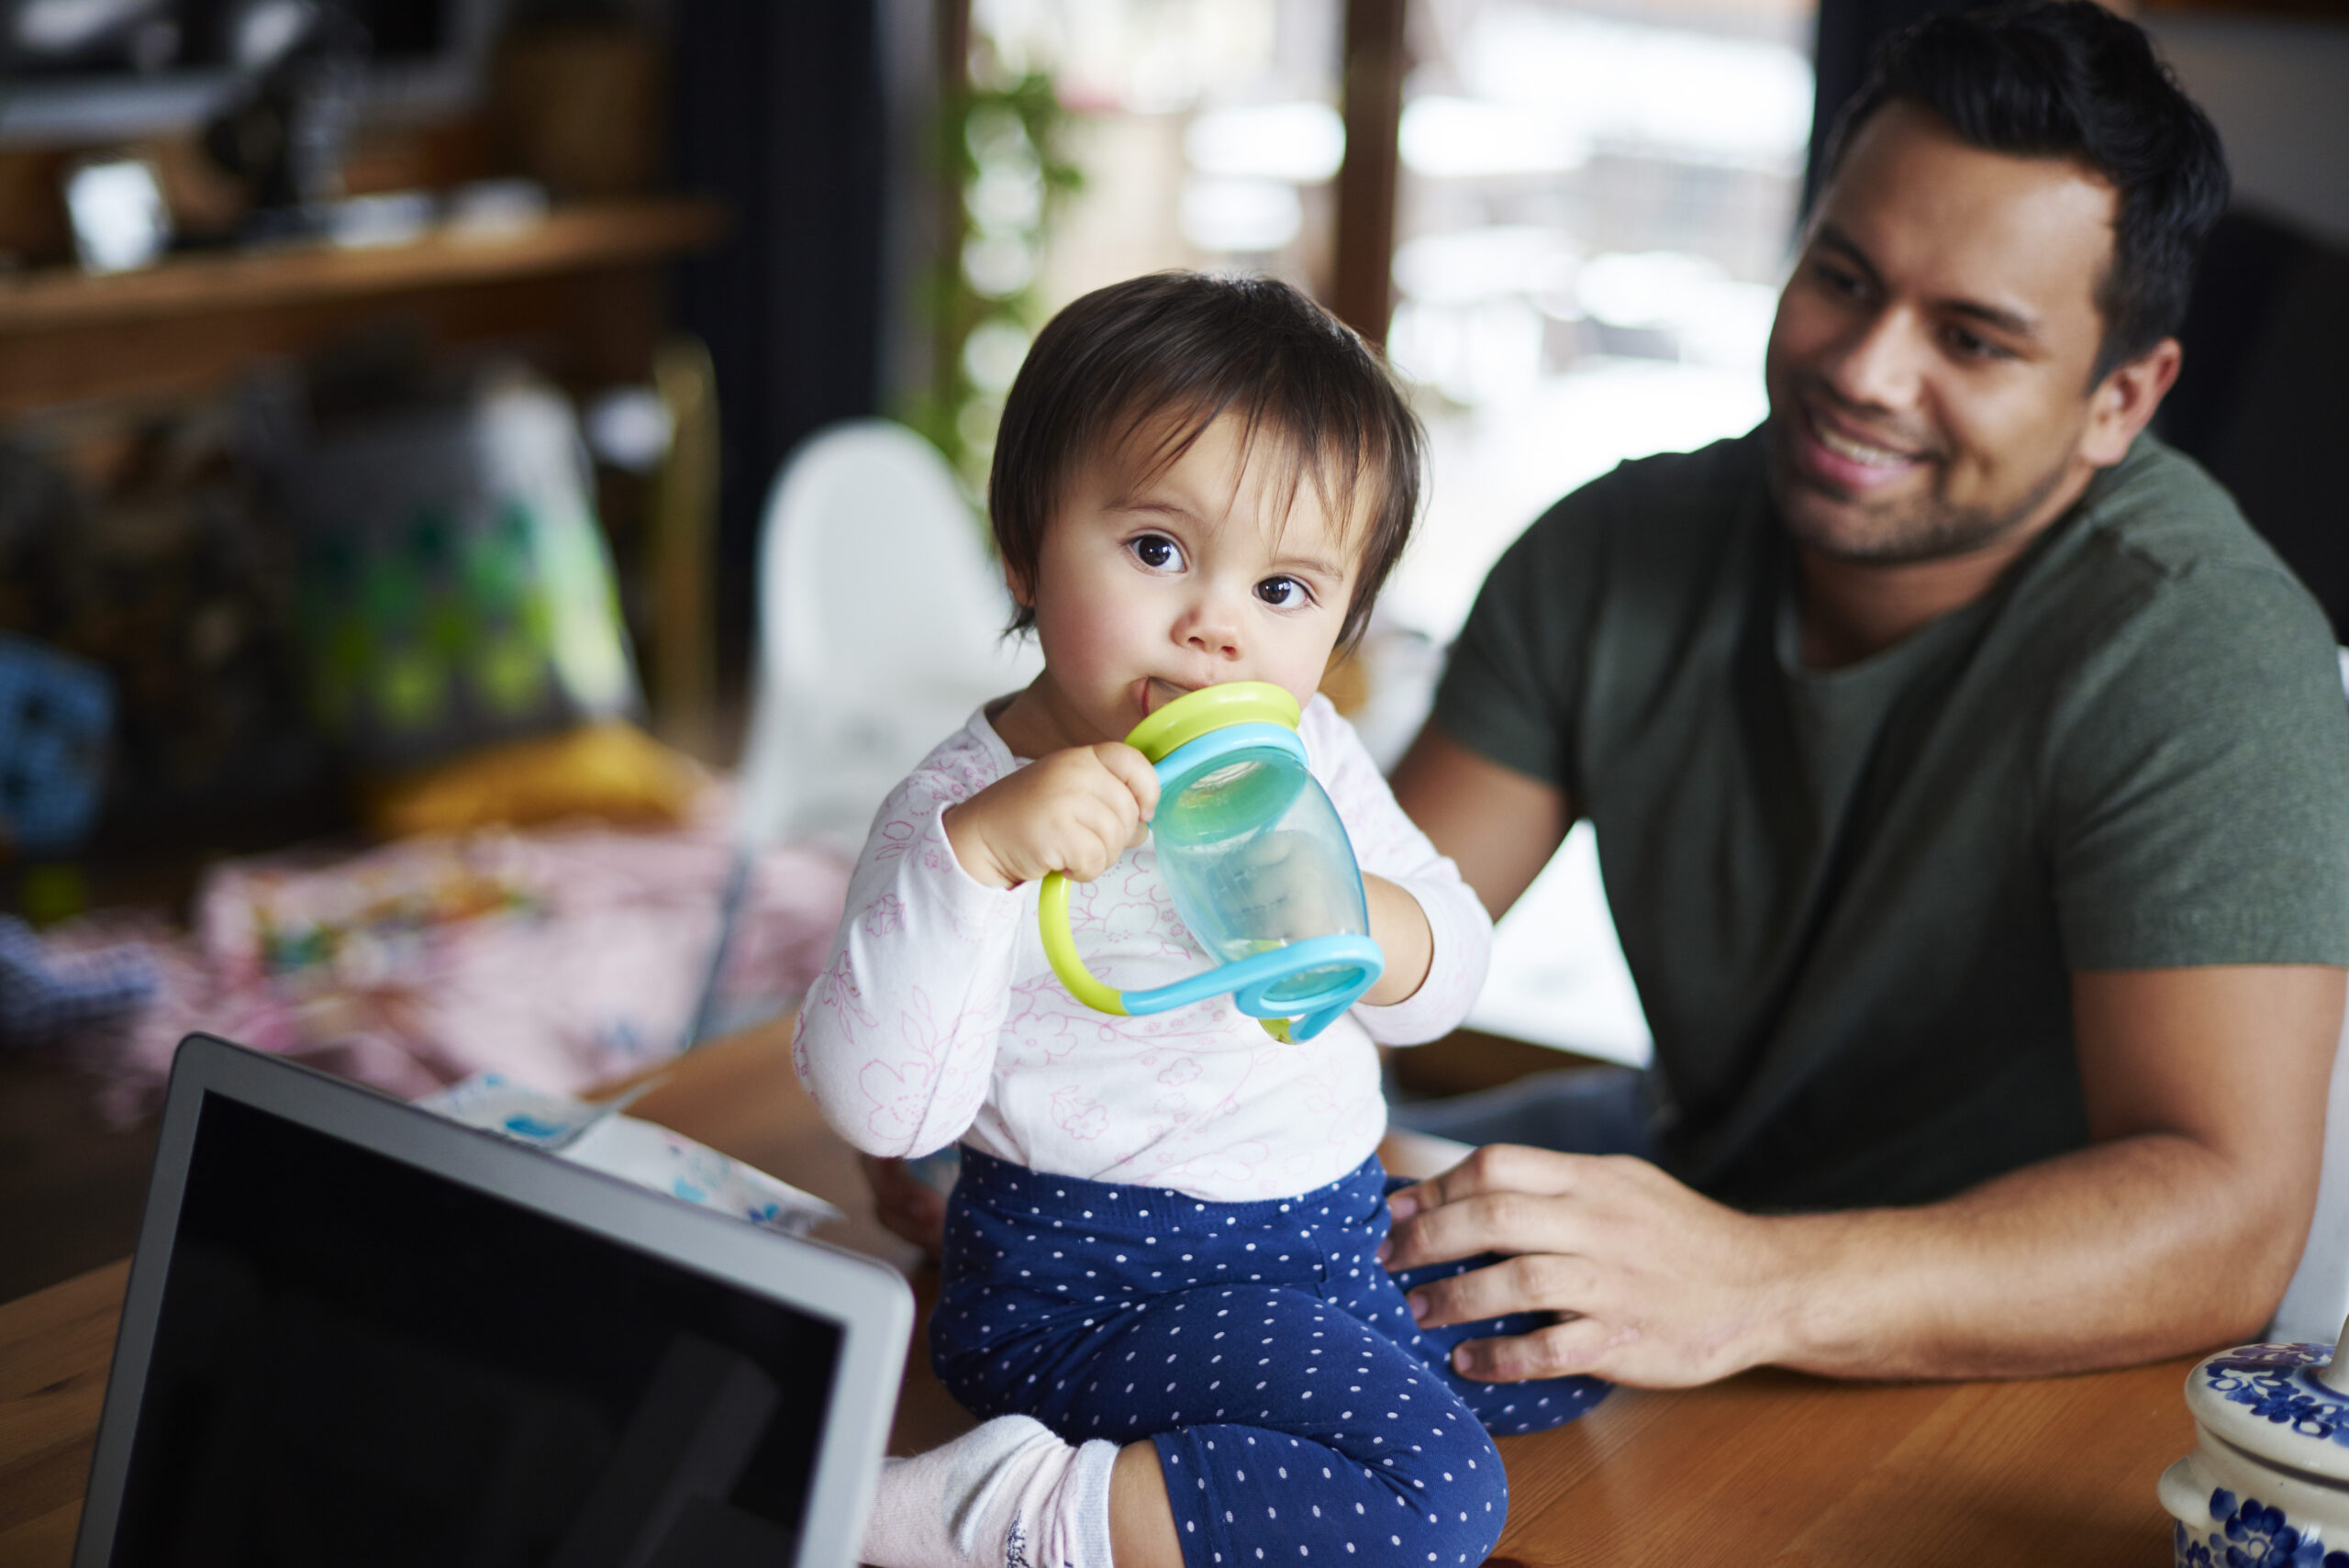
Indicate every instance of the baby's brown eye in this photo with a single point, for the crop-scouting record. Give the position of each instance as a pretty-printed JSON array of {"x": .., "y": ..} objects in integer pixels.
[
  {"x": 1155, "y": 550},
  {"x": 1282, "y": 593}
]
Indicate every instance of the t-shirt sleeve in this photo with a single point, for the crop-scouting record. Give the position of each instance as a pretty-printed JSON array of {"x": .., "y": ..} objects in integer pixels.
[
  {"x": 1510, "y": 692},
  {"x": 2199, "y": 783}
]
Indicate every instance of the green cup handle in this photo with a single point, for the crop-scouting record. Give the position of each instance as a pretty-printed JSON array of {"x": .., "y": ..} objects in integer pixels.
[
  {"x": 1060, "y": 947},
  {"x": 1158, "y": 737}
]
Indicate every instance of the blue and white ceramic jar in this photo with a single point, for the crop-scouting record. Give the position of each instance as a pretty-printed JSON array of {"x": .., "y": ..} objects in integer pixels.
[{"x": 2267, "y": 1483}]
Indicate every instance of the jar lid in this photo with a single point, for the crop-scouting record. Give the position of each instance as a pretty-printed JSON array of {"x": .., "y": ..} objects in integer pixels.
[{"x": 2273, "y": 1402}]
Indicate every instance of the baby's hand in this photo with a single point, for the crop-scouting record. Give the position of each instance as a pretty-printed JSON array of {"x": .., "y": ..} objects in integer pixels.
[{"x": 1075, "y": 812}]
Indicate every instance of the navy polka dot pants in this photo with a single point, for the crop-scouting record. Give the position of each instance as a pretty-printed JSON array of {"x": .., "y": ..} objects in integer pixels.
[{"x": 1299, "y": 1415}]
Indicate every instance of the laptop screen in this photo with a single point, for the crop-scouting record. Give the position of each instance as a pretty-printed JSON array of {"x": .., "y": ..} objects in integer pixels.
[{"x": 375, "y": 1365}]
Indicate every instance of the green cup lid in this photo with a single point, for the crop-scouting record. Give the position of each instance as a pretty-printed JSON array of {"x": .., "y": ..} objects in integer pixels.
[{"x": 1195, "y": 714}]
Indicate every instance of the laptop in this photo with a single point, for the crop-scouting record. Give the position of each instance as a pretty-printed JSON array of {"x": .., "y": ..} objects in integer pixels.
[{"x": 357, "y": 1333}]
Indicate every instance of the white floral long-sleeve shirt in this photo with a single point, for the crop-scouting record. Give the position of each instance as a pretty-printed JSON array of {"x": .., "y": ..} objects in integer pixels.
[{"x": 939, "y": 1016}]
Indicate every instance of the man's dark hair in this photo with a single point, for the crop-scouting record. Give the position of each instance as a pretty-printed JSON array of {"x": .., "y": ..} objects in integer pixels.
[
  {"x": 1158, "y": 359},
  {"x": 2068, "y": 79}
]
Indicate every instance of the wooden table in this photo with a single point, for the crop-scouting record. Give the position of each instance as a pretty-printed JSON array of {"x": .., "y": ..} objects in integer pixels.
[{"x": 1766, "y": 1468}]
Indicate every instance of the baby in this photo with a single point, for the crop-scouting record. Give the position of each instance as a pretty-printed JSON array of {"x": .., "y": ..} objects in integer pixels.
[{"x": 1161, "y": 1277}]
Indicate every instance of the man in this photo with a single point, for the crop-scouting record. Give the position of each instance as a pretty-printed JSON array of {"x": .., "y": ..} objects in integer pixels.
[{"x": 1972, "y": 787}]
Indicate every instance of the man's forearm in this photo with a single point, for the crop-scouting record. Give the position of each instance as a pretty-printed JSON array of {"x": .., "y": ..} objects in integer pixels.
[
  {"x": 2145, "y": 1246},
  {"x": 2127, "y": 1252},
  {"x": 2203, "y": 1089}
]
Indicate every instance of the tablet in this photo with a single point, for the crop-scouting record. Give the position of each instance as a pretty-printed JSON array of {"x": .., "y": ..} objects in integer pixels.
[{"x": 356, "y": 1333}]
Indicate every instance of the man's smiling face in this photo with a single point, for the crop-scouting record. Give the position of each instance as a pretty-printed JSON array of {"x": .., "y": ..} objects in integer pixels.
[{"x": 1930, "y": 370}]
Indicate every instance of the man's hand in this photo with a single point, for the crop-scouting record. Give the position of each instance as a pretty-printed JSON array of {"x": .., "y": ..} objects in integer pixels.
[
  {"x": 2174, "y": 1230},
  {"x": 1074, "y": 812},
  {"x": 1658, "y": 1287}
]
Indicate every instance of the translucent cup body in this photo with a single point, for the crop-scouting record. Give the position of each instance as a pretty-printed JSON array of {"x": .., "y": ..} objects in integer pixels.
[{"x": 1255, "y": 858}]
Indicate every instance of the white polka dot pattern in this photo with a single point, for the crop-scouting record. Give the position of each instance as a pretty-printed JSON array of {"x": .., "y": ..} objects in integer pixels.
[{"x": 1297, "y": 1409}]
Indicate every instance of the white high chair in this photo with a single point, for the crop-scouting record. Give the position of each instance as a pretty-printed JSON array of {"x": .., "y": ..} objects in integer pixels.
[
  {"x": 881, "y": 620},
  {"x": 881, "y": 617},
  {"x": 2317, "y": 1300}
]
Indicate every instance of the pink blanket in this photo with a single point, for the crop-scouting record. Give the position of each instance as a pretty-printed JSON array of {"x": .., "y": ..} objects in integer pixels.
[{"x": 559, "y": 957}]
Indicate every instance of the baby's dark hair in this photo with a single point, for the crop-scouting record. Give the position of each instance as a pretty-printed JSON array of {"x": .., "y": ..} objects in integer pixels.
[{"x": 1164, "y": 356}]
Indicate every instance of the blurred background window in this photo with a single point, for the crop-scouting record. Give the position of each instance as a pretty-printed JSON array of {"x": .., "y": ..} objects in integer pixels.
[
  {"x": 1594, "y": 210},
  {"x": 1105, "y": 139},
  {"x": 1207, "y": 134},
  {"x": 1595, "y": 203}
]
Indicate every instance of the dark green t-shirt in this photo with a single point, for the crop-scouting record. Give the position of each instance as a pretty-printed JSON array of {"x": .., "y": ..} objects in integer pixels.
[{"x": 1853, "y": 899}]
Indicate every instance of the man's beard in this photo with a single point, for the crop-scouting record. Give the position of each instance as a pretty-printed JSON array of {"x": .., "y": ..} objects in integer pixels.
[{"x": 1928, "y": 529}]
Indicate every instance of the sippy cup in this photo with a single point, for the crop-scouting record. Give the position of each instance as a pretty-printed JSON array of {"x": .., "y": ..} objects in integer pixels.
[{"x": 1256, "y": 862}]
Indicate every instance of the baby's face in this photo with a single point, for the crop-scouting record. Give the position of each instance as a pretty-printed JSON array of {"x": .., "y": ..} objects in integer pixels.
[{"x": 1210, "y": 571}]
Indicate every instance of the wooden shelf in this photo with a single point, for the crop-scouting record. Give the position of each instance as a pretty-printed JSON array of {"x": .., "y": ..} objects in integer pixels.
[
  {"x": 614, "y": 234},
  {"x": 582, "y": 281}
]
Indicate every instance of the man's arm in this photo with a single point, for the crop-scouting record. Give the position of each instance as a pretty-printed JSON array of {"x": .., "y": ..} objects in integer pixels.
[
  {"x": 1499, "y": 827},
  {"x": 2176, "y": 1229}
]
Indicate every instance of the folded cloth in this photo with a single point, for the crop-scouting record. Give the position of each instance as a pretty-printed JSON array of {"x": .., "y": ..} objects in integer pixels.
[
  {"x": 561, "y": 957},
  {"x": 599, "y": 1138},
  {"x": 46, "y": 998}
]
